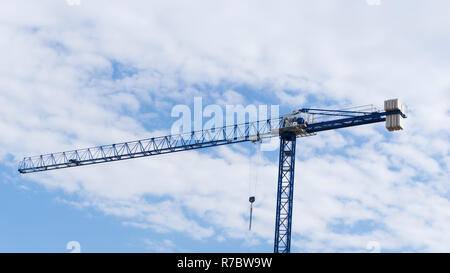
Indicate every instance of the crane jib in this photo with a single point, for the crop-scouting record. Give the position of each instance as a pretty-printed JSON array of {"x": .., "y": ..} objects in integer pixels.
[{"x": 191, "y": 141}]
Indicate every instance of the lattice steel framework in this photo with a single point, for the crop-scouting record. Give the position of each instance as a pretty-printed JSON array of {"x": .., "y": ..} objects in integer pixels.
[{"x": 285, "y": 193}]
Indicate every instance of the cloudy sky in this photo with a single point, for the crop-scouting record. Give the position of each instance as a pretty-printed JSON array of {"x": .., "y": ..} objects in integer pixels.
[{"x": 75, "y": 74}]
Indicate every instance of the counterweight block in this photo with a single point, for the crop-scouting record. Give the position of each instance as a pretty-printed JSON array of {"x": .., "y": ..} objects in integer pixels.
[{"x": 394, "y": 122}]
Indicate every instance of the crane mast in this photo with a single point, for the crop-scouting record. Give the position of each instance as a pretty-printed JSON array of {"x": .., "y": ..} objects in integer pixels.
[
  {"x": 300, "y": 123},
  {"x": 285, "y": 193}
]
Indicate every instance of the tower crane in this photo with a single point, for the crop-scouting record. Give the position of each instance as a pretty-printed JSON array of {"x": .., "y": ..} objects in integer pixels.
[{"x": 300, "y": 123}]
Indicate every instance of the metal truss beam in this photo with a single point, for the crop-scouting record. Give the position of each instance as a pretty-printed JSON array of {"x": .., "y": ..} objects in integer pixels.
[
  {"x": 152, "y": 146},
  {"x": 285, "y": 193},
  {"x": 189, "y": 141}
]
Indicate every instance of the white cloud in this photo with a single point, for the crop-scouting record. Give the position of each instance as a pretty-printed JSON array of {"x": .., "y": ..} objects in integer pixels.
[
  {"x": 164, "y": 246},
  {"x": 230, "y": 97}
]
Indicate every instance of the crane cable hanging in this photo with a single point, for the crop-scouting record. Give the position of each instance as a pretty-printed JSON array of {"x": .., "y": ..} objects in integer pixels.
[{"x": 254, "y": 163}]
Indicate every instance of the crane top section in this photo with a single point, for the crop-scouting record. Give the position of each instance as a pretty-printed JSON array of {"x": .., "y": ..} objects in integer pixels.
[
  {"x": 303, "y": 122},
  {"x": 308, "y": 121}
]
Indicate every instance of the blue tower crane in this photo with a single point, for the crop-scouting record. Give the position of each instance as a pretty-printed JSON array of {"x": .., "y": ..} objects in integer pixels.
[{"x": 300, "y": 123}]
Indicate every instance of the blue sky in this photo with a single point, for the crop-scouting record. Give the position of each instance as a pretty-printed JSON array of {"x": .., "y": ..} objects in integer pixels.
[{"x": 101, "y": 72}]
